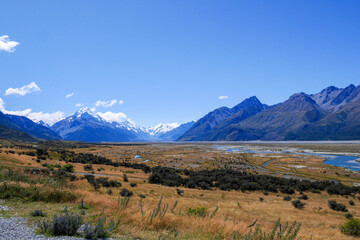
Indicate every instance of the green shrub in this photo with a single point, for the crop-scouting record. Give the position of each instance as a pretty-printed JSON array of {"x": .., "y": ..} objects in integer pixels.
[
  {"x": 88, "y": 167},
  {"x": 349, "y": 216},
  {"x": 298, "y": 204},
  {"x": 100, "y": 230},
  {"x": 62, "y": 225},
  {"x": 304, "y": 197},
  {"x": 35, "y": 194},
  {"x": 337, "y": 206},
  {"x": 351, "y": 227},
  {"x": 107, "y": 183},
  {"x": 126, "y": 193},
  {"x": 92, "y": 181},
  {"x": 351, "y": 202},
  {"x": 125, "y": 178},
  {"x": 197, "y": 212},
  {"x": 37, "y": 213},
  {"x": 68, "y": 168},
  {"x": 287, "y": 198},
  {"x": 316, "y": 191}
]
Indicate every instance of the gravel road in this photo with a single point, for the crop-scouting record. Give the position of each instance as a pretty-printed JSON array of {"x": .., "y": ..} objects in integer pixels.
[{"x": 15, "y": 228}]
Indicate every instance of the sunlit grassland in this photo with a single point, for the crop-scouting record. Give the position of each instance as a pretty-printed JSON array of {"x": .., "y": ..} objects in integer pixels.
[{"x": 236, "y": 210}]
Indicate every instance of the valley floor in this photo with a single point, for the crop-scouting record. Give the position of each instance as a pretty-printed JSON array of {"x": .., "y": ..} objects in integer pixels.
[{"x": 225, "y": 212}]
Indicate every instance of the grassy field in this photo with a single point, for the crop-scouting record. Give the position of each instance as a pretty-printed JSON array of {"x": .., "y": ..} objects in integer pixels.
[{"x": 225, "y": 212}]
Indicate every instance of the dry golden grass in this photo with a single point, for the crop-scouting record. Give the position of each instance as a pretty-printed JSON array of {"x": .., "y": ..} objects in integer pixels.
[{"x": 236, "y": 210}]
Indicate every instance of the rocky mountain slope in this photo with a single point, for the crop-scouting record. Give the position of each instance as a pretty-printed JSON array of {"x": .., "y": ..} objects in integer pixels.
[{"x": 332, "y": 114}]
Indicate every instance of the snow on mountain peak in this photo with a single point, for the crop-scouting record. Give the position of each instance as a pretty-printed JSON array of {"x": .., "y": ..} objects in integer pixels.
[
  {"x": 161, "y": 128},
  {"x": 129, "y": 125},
  {"x": 86, "y": 111}
]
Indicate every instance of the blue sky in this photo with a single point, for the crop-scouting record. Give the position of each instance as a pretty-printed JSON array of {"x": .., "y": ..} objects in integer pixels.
[{"x": 169, "y": 61}]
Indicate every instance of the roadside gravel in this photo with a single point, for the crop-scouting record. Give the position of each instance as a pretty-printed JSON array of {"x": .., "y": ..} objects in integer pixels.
[{"x": 15, "y": 228}]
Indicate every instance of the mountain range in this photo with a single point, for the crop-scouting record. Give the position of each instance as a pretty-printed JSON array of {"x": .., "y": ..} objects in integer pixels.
[
  {"x": 21, "y": 128},
  {"x": 86, "y": 126},
  {"x": 331, "y": 114}
]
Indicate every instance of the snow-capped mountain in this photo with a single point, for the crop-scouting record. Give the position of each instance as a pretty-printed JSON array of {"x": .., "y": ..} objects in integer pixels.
[
  {"x": 161, "y": 128},
  {"x": 129, "y": 125},
  {"x": 86, "y": 113},
  {"x": 87, "y": 126}
]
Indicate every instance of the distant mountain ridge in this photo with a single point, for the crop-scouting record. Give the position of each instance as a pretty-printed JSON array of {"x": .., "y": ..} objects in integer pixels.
[
  {"x": 88, "y": 126},
  {"x": 23, "y": 129},
  {"x": 208, "y": 125},
  {"x": 331, "y": 114}
]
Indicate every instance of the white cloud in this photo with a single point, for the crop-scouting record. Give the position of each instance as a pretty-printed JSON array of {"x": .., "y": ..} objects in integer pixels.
[
  {"x": 223, "y": 97},
  {"x": 48, "y": 118},
  {"x": 6, "y": 44},
  {"x": 105, "y": 103},
  {"x": 2, "y": 105},
  {"x": 79, "y": 105},
  {"x": 19, "y": 113},
  {"x": 121, "y": 101},
  {"x": 32, "y": 87},
  {"x": 69, "y": 95},
  {"x": 113, "y": 117}
]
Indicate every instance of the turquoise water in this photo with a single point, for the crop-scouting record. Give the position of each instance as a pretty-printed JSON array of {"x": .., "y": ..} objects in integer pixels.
[
  {"x": 342, "y": 161},
  {"x": 348, "y": 162}
]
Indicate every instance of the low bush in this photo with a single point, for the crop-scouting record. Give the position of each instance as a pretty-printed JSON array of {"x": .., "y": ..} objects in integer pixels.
[
  {"x": 351, "y": 227},
  {"x": 68, "y": 168},
  {"x": 100, "y": 230},
  {"x": 316, "y": 191},
  {"x": 92, "y": 181},
  {"x": 351, "y": 202},
  {"x": 62, "y": 225},
  {"x": 287, "y": 198},
  {"x": 126, "y": 193},
  {"x": 108, "y": 183},
  {"x": 88, "y": 167},
  {"x": 133, "y": 185},
  {"x": 125, "y": 178},
  {"x": 304, "y": 197},
  {"x": 349, "y": 216},
  {"x": 227, "y": 179},
  {"x": 35, "y": 194},
  {"x": 37, "y": 213},
  {"x": 298, "y": 204},
  {"x": 337, "y": 206},
  {"x": 197, "y": 212}
]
